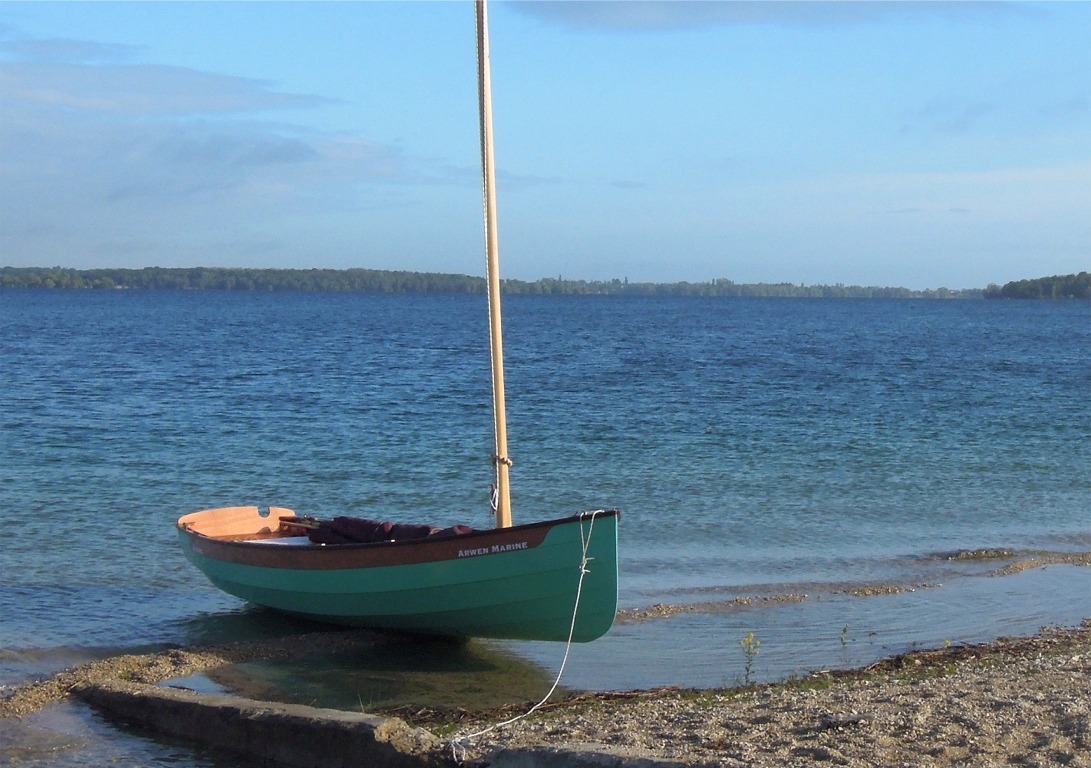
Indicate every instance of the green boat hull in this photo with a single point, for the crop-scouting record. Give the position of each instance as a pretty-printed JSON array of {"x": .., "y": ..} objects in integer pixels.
[{"x": 515, "y": 583}]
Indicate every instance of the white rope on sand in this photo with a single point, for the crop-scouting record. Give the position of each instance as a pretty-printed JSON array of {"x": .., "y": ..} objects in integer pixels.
[{"x": 459, "y": 744}]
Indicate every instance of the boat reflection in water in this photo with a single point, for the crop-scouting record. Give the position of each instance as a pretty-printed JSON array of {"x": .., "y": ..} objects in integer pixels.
[{"x": 391, "y": 671}]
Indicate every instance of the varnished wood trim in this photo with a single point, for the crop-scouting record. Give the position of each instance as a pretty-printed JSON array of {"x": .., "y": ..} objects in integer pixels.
[{"x": 342, "y": 556}]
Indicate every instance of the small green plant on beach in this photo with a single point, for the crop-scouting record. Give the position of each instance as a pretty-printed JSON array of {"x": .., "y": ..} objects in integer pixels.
[{"x": 749, "y": 645}]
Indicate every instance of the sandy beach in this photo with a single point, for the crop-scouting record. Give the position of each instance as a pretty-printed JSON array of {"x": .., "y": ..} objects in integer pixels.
[{"x": 1015, "y": 701}]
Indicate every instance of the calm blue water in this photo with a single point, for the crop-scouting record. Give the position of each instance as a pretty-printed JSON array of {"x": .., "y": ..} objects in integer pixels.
[{"x": 755, "y": 447}]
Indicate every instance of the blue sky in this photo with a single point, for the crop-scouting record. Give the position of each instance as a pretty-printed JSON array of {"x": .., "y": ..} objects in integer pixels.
[{"x": 913, "y": 144}]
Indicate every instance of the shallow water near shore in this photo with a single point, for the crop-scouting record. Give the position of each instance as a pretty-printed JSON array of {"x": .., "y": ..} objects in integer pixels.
[
  {"x": 757, "y": 448},
  {"x": 699, "y": 649}
]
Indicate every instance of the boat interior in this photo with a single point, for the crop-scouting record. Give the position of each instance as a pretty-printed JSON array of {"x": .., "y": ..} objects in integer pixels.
[{"x": 280, "y": 525}]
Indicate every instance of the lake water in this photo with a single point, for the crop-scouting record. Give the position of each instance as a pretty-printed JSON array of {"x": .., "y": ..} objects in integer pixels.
[{"x": 757, "y": 448}]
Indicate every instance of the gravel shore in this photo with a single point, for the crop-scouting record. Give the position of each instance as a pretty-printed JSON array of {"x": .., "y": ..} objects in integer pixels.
[{"x": 1024, "y": 701}]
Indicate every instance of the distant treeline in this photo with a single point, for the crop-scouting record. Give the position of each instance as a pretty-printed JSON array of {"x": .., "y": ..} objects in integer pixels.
[
  {"x": 231, "y": 279},
  {"x": 1056, "y": 287},
  {"x": 384, "y": 281}
]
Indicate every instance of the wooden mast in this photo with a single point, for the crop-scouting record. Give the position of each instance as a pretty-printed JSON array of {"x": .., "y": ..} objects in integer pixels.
[{"x": 492, "y": 272}]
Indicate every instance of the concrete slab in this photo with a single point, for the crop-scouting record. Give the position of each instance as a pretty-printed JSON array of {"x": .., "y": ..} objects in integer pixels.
[
  {"x": 298, "y": 736},
  {"x": 287, "y": 734}
]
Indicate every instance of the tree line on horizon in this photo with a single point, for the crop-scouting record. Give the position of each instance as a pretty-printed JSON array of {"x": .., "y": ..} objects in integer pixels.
[
  {"x": 1076, "y": 286},
  {"x": 388, "y": 281}
]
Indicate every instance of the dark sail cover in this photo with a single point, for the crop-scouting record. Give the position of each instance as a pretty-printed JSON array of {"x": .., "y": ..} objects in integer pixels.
[{"x": 359, "y": 530}]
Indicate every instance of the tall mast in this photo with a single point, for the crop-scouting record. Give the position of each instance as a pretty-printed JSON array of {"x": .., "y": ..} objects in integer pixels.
[{"x": 502, "y": 498}]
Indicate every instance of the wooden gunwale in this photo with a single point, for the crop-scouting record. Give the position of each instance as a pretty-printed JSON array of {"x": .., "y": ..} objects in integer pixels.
[{"x": 377, "y": 554}]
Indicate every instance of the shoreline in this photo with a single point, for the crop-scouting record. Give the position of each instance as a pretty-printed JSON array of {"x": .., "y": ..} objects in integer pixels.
[{"x": 1023, "y": 700}]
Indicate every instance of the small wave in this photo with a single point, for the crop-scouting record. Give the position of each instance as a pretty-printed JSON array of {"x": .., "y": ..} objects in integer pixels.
[
  {"x": 1021, "y": 560},
  {"x": 1040, "y": 559},
  {"x": 1007, "y": 553},
  {"x": 662, "y": 610},
  {"x": 976, "y": 554},
  {"x": 762, "y": 595}
]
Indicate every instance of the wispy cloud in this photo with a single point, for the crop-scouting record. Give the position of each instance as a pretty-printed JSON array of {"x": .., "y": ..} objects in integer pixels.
[
  {"x": 67, "y": 50},
  {"x": 133, "y": 155},
  {"x": 1000, "y": 112},
  {"x": 637, "y": 15},
  {"x": 139, "y": 89},
  {"x": 229, "y": 150},
  {"x": 1075, "y": 108},
  {"x": 949, "y": 117}
]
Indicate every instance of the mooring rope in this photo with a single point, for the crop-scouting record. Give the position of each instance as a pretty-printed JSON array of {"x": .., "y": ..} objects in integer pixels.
[{"x": 459, "y": 743}]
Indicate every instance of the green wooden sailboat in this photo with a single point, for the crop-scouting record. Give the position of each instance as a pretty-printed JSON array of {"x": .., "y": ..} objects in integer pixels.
[{"x": 549, "y": 580}]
